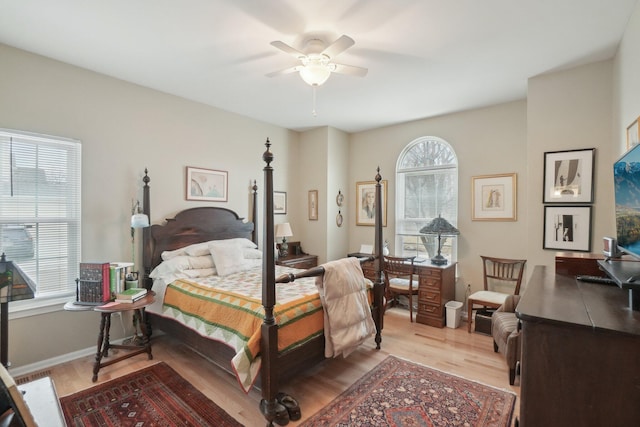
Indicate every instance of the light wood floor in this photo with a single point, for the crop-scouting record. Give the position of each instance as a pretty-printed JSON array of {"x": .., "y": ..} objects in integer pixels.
[{"x": 456, "y": 351}]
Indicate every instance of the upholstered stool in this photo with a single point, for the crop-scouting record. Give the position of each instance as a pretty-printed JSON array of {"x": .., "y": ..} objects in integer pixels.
[{"x": 506, "y": 334}]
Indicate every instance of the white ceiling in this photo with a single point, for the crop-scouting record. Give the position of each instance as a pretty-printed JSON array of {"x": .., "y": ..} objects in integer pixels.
[{"x": 425, "y": 57}]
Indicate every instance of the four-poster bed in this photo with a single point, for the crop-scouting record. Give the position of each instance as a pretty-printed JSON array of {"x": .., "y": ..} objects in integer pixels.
[{"x": 206, "y": 224}]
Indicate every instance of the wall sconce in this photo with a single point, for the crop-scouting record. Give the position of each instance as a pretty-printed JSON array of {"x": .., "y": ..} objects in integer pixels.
[{"x": 284, "y": 230}]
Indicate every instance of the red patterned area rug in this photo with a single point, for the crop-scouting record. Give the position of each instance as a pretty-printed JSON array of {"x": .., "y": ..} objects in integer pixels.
[
  {"x": 153, "y": 396},
  {"x": 402, "y": 393}
]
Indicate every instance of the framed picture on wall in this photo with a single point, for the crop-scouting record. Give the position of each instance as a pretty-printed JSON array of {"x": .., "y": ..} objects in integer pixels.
[
  {"x": 313, "y": 205},
  {"x": 206, "y": 184},
  {"x": 493, "y": 197},
  {"x": 568, "y": 176},
  {"x": 567, "y": 228},
  {"x": 279, "y": 202},
  {"x": 365, "y": 202},
  {"x": 633, "y": 134}
]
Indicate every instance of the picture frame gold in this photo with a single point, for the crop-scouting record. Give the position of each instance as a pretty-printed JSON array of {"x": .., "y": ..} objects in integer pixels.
[
  {"x": 313, "y": 205},
  {"x": 208, "y": 185},
  {"x": 633, "y": 134},
  {"x": 494, "y": 197},
  {"x": 365, "y": 202}
]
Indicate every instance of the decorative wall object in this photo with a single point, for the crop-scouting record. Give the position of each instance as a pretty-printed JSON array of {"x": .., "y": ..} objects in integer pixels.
[
  {"x": 633, "y": 133},
  {"x": 567, "y": 228},
  {"x": 313, "y": 205},
  {"x": 206, "y": 184},
  {"x": 365, "y": 202},
  {"x": 279, "y": 202},
  {"x": 494, "y": 197},
  {"x": 568, "y": 176}
]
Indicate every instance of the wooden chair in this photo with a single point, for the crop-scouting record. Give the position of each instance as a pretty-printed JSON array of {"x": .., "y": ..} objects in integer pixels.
[
  {"x": 398, "y": 277},
  {"x": 502, "y": 277}
]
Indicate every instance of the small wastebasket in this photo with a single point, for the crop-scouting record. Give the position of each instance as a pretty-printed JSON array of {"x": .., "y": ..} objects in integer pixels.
[{"x": 454, "y": 312}]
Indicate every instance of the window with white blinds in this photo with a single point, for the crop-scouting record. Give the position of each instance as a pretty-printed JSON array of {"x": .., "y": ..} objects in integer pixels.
[
  {"x": 426, "y": 186},
  {"x": 40, "y": 208}
]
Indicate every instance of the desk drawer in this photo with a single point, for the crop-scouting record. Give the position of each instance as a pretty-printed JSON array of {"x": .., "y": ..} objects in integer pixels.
[
  {"x": 429, "y": 296},
  {"x": 430, "y": 310},
  {"x": 430, "y": 283}
]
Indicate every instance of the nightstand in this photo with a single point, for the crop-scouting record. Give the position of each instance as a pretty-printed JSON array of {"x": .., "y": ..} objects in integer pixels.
[
  {"x": 105, "y": 324},
  {"x": 303, "y": 262}
]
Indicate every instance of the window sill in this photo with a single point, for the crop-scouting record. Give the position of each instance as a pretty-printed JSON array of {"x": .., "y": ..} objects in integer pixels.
[{"x": 37, "y": 306}]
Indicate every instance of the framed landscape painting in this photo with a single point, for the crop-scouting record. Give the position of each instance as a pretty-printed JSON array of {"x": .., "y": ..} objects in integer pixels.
[{"x": 206, "y": 184}]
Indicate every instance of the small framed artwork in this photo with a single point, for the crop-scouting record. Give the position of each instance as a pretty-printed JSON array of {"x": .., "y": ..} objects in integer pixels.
[
  {"x": 313, "y": 205},
  {"x": 633, "y": 134},
  {"x": 567, "y": 228},
  {"x": 568, "y": 176},
  {"x": 493, "y": 197},
  {"x": 206, "y": 184},
  {"x": 279, "y": 202},
  {"x": 366, "y": 202}
]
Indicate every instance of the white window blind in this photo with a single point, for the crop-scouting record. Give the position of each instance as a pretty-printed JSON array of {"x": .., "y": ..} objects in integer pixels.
[
  {"x": 426, "y": 186},
  {"x": 40, "y": 208}
]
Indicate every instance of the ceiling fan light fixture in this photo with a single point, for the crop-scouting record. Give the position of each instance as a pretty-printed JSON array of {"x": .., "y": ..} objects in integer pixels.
[{"x": 315, "y": 74}]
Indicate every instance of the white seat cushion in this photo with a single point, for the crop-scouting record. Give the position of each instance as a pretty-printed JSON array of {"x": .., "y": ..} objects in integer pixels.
[
  {"x": 490, "y": 297},
  {"x": 400, "y": 284}
]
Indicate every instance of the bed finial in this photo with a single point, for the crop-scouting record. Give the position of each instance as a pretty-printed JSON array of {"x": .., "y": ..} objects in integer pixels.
[
  {"x": 268, "y": 155},
  {"x": 378, "y": 176},
  {"x": 146, "y": 178}
]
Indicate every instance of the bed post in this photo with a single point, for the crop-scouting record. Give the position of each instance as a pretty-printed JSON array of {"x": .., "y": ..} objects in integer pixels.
[
  {"x": 269, "y": 406},
  {"x": 378, "y": 284},
  {"x": 254, "y": 212},
  {"x": 146, "y": 233}
]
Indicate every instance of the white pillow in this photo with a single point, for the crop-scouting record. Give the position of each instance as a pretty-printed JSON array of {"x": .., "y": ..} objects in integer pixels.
[
  {"x": 199, "y": 249},
  {"x": 252, "y": 253},
  {"x": 228, "y": 257}
]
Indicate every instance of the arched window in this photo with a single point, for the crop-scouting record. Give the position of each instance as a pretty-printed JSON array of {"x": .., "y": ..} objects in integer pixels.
[{"x": 426, "y": 186}]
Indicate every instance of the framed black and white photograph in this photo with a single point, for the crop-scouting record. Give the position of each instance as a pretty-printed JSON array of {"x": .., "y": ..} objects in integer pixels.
[
  {"x": 568, "y": 176},
  {"x": 206, "y": 184},
  {"x": 567, "y": 228},
  {"x": 493, "y": 197},
  {"x": 279, "y": 202}
]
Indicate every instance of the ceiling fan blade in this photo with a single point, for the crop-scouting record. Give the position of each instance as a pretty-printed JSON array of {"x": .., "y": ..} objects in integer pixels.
[
  {"x": 339, "y": 46},
  {"x": 350, "y": 70},
  {"x": 288, "y": 49},
  {"x": 285, "y": 71}
]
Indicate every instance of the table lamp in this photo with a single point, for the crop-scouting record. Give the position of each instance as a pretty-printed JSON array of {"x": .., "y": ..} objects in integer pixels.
[
  {"x": 284, "y": 230},
  {"x": 439, "y": 226}
]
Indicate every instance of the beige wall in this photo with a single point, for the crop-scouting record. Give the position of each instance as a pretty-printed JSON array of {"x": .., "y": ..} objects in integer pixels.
[
  {"x": 125, "y": 128},
  {"x": 487, "y": 141}
]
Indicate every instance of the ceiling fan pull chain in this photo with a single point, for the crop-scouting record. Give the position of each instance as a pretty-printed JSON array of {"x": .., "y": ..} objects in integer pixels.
[{"x": 313, "y": 110}]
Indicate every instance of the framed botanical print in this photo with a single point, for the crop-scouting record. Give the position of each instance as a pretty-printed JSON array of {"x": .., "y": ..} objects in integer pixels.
[
  {"x": 493, "y": 197},
  {"x": 568, "y": 176}
]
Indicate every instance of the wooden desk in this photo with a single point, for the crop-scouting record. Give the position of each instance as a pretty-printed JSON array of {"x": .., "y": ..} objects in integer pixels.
[
  {"x": 105, "y": 325},
  {"x": 436, "y": 287},
  {"x": 580, "y": 363}
]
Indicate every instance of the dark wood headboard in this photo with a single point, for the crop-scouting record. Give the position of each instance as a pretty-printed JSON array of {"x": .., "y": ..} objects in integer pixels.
[{"x": 194, "y": 225}]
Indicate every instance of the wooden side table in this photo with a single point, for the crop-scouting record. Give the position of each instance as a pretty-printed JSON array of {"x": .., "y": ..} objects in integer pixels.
[{"x": 105, "y": 325}]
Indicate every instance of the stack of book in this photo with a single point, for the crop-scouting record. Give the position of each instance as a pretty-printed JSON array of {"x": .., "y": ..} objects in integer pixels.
[{"x": 130, "y": 295}]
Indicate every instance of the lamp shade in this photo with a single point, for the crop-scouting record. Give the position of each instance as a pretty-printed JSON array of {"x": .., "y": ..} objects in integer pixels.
[
  {"x": 284, "y": 230},
  {"x": 439, "y": 226},
  {"x": 139, "y": 220}
]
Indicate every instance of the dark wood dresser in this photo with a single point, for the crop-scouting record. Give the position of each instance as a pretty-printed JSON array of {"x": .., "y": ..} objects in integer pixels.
[
  {"x": 297, "y": 258},
  {"x": 580, "y": 363},
  {"x": 575, "y": 263}
]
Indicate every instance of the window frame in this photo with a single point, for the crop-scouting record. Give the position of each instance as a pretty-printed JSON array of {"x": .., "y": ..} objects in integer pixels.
[{"x": 409, "y": 236}]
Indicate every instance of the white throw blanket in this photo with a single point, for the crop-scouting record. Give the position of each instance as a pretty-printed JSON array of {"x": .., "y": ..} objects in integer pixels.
[{"x": 347, "y": 315}]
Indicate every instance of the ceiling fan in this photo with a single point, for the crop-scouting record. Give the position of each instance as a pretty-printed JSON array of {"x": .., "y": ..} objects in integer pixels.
[{"x": 316, "y": 61}]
